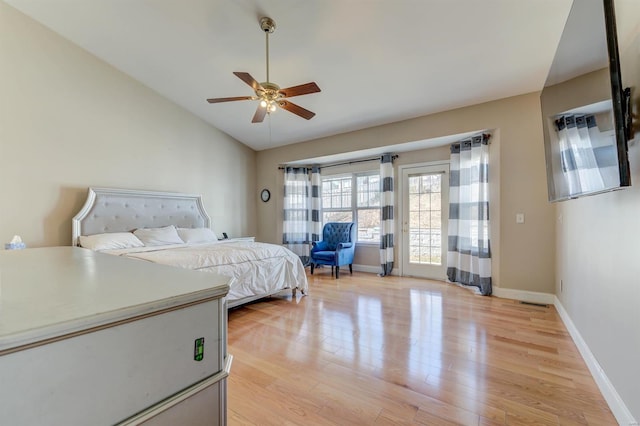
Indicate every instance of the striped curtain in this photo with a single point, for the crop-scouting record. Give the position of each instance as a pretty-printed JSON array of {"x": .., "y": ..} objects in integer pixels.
[
  {"x": 316, "y": 206},
  {"x": 589, "y": 160},
  {"x": 297, "y": 203},
  {"x": 387, "y": 222},
  {"x": 469, "y": 253}
]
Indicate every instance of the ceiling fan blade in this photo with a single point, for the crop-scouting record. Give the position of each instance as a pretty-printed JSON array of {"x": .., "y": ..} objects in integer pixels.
[
  {"x": 296, "y": 109},
  {"x": 302, "y": 89},
  {"x": 246, "y": 77},
  {"x": 237, "y": 98},
  {"x": 258, "y": 117}
]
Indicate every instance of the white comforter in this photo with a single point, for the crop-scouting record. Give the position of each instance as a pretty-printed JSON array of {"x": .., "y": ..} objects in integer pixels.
[{"x": 254, "y": 268}]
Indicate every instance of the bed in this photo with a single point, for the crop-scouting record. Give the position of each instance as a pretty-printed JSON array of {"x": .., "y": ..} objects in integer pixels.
[{"x": 143, "y": 225}]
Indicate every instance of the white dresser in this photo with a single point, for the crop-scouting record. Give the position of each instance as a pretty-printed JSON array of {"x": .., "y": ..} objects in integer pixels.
[{"x": 94, "y": 339}]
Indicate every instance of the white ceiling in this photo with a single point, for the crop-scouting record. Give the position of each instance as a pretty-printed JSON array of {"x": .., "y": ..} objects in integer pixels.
[{"x": 376, "y": 61}]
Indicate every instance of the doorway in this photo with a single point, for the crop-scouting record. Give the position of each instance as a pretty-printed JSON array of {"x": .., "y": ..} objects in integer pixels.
[{"x": 425, "y": 213}]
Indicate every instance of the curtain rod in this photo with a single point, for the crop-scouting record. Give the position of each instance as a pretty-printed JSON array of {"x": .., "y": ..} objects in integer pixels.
[
  {"x": 485, "y": 137},
  {"x": 393, "y": 157}
]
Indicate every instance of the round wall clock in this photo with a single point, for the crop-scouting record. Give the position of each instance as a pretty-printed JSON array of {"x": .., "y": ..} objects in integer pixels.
[{"x": 265, "y": 195}]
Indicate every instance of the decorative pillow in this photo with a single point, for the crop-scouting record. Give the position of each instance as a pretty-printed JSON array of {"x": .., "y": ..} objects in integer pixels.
[
  {"x": 158, "y": 236},
  {"x": 115, "y": 240},
  {"x": 197, "y": 235}
]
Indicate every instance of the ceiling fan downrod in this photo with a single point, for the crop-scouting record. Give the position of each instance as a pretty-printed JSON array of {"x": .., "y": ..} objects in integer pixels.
[{"x": 268, "y": 25}]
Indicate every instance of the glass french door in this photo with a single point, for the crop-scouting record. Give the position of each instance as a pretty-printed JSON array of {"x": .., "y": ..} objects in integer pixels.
[{"x": 425, "y": 210}]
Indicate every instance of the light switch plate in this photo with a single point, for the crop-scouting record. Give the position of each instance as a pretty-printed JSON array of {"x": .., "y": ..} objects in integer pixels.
[{"x": 519, "y": 217}]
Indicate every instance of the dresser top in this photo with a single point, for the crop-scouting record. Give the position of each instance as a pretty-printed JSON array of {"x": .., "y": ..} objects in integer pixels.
[{"x": 50, "y": 292}]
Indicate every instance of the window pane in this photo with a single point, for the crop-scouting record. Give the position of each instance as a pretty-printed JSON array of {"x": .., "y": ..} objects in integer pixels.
[
  {"x": 374, "y": 199},
  {"x": 436, "y": 219},
  {"x": 337, "y": 216},
  {"x": 326, "y": 188},
  {"x": 336, "y": 193},
  {"x": 435, "y": 201},
  {"x": 369, "y": 225},
  {"x": 425, "y": 184},
  {"x": 368, "y": 190},
  {"x": 363, "y": 190},
  {"x": 374, "y": 183},
  {"x": 414, "y": 202},
  {"x": 436, "y": 185},
  {"x": 363, "y": 183},
  {"x": 425, "y": 222},
  {"x": 414, "y": 184}
]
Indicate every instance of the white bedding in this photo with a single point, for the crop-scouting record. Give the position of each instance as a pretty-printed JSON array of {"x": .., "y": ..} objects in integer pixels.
[{"x": 254, "y": 268}]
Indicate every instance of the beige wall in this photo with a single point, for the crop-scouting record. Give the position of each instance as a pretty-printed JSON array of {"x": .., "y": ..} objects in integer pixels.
[
  {"x": 523, "y": 254},
  {"x": 598, "y": 244},
  {"x": 69, "y": 121}
]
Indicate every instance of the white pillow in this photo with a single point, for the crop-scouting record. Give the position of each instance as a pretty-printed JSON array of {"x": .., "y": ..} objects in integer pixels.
[
  {"x": 158, "y": 236},
  {"x": 114, "y": 240},
  {"x": 197, "y": 235}
]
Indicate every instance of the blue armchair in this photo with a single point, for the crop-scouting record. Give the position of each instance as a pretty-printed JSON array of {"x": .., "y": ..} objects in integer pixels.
[{"x": 336, "y": 248}]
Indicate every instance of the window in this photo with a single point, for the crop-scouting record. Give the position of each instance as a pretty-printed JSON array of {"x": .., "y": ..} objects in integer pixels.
[
  {"x": 336, "y": 200},
  {"x": 425, "y": 218},
  {"x": 354, "y": 198}
]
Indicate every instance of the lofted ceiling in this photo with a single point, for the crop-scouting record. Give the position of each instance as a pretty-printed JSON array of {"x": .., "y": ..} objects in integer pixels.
[{"x": 376, "y": 61}]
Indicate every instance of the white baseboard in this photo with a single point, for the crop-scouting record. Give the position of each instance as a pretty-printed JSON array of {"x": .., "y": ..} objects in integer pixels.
[
  {"x": 616, "y": 404},
  {"x": 367, "y": 268},
  {"x": 372, "y": 269},
  {"x": 524, "y": 295}
]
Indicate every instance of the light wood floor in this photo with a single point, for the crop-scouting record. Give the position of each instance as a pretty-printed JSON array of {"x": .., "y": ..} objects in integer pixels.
[{"x": 389, "y": 351}]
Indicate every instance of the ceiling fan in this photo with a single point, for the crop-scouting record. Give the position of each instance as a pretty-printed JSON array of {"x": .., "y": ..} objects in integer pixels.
[{"x": 270, "y": 94}]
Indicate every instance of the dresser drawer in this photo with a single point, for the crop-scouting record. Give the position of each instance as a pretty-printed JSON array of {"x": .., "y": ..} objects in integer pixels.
[
  {"x": 104, "y": 376},
  {"x": 203, "y": 404},
  {"x": 202, "y": 409}
]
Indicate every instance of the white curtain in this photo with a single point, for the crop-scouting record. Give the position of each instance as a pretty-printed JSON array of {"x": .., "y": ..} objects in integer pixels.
[
  {"x": 581, "y": 144},
  {"x": 302, "y": 210},
  {"x": 387, "y": 221},
  {"x": 469, "y": 253}
]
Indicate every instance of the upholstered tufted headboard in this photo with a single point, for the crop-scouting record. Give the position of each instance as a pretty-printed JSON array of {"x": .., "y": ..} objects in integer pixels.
[{"x": 122, "y": 210}]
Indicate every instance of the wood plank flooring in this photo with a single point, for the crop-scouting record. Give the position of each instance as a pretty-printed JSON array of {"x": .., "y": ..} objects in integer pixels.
[{"x": 364, "y": 350}]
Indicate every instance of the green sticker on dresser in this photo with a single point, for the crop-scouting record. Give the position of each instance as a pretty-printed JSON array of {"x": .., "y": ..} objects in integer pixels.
[{"x": 198, "y": 350}]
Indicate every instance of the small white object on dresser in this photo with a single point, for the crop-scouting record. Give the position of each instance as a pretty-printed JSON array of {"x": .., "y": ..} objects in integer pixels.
[{"x": 88, "y": 338}]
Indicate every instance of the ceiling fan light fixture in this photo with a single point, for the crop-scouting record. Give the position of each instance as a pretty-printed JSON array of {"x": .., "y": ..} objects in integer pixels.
[
  {"x": 263, "y": 103},
  {"x": 272, "y": 108}
]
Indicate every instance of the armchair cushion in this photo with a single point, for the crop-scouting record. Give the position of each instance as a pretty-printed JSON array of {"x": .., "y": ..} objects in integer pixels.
[{"x": 327, "y": 256}]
